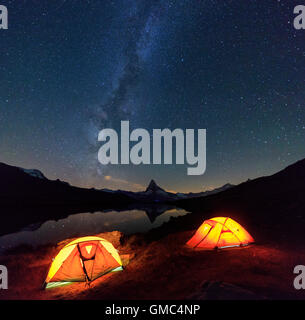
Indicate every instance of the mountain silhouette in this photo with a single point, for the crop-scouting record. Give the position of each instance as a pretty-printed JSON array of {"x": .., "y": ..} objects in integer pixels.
[
  {"x": 27, "y": 196},
  {"x": 276, "y": 202},
  {"x": 153, "y": 187},
  {"x": 22, "y": 187}
]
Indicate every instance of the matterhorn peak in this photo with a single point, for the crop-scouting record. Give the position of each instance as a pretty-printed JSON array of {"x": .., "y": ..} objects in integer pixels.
[{"x": 153, "y": 186}]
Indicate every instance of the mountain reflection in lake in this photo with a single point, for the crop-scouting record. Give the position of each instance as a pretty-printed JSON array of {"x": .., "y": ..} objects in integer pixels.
[{"x": 83, "y": 224}]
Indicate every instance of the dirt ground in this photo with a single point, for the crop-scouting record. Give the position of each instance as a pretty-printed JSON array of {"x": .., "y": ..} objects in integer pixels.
[{"x": 165, "y": 269}]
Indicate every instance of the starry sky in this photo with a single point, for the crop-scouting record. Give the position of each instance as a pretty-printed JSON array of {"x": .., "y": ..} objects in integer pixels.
[{"x": 70, "y": 68}]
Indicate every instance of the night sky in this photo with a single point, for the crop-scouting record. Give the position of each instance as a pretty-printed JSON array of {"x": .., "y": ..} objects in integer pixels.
[{"x": 69, "y": 68}]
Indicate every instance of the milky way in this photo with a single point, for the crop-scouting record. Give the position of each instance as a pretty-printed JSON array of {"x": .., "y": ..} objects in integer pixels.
[{"x": 71, "y": 68}]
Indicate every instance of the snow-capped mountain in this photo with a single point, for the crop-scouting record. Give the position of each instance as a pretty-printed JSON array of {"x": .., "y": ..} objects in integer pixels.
[
  {"x": 209, "y": 192},
  {"x": 33, "y": 182},
  {"x": 155, "y": 193},
  {"x": 30, "y": 187},
  {"x": 34, "y": 173}
]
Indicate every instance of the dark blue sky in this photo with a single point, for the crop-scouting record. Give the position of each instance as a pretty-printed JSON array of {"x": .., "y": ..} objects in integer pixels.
[{"x": 69, "y": 68}]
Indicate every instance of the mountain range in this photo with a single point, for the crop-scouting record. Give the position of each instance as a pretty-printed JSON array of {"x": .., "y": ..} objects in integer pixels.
[
  {"x": 30, "y": 187},
  {"x": 27, "y": 196},
  {"x": 272, "y": 206},
  {"x": 154, "y": 193}
]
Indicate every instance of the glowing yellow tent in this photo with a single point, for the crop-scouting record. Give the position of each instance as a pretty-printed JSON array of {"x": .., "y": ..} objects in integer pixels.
[
  {"x": 220, "y": 232},
  {"x": 84, "y": 259}
]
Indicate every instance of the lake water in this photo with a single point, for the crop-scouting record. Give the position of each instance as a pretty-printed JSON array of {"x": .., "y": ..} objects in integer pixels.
[{"x": 83, "y": 224}]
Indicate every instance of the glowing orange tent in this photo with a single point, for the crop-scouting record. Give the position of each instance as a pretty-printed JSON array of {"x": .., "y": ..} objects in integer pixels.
[
  {"x": 220, "y": 232},
  {"x": 84, "y": 259}
]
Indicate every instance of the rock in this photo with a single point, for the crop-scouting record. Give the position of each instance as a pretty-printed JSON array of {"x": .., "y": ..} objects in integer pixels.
[
  {"x": 218, "y": 290},
  {"x": 113, "y": 237}
]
